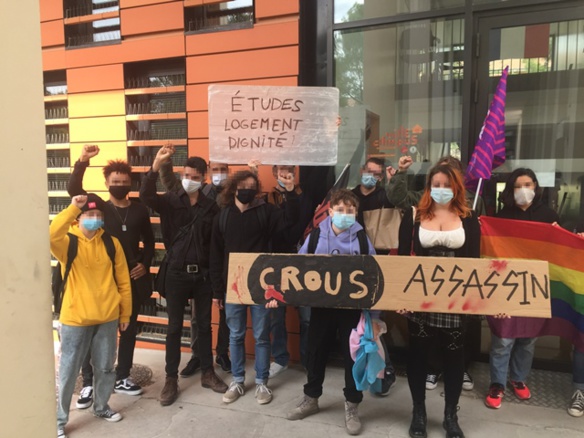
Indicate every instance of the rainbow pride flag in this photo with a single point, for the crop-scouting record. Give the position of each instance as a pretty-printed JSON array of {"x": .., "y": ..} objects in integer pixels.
[{"x": 505, "y": 238}]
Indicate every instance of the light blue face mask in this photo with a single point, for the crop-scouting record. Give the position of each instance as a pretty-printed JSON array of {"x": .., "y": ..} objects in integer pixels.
[
  {"x": 368, "y": 180},
  {"x": 92, "y": 223},
  {"x": 281, "y": 184},
  {"x": 343, "y": 220},
  {"x": 441, "y": 195}
]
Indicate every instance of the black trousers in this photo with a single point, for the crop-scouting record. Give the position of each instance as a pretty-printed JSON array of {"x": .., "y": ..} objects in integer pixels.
[
  {"x": 222, "y": 347},
  {"x": 324, "y": 324},
  {"x": 449, "y": 344},
  {"x": 126, "y": 345},
  {"x": 180, "y": 287}
]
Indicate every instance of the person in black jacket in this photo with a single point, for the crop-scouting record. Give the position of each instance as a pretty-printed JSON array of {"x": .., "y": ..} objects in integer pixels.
[
  {"x": 129, "y": 221},
  {"x": 247, "y": 224},
  {"x": 443, "y": 226},
  {"x": 187, "y": 217},
  {"x": 219, "y": 174}
]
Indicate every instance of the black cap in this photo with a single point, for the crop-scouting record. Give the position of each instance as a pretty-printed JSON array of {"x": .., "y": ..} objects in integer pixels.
[{"x": 94, "y": 202}]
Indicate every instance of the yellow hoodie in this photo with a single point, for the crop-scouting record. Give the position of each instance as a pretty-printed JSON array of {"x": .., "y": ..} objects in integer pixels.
[{"x": 92, "y": 296}]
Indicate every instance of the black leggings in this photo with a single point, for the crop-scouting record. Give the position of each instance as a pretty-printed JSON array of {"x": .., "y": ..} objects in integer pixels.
[{"x": 449, "y": 342}]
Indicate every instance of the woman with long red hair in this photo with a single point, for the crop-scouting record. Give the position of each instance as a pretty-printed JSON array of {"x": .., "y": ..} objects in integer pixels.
[{"x": 442, "y": 225}]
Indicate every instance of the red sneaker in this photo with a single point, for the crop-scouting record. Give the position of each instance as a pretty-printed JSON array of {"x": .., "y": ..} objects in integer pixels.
[
  {"x": 521, "y": 390},
  {"x": 495, "y": 396}
]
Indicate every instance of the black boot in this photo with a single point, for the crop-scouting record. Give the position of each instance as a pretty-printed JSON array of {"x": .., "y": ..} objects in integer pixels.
[
  {"x": 450, "y": 423},
  {"x": 419, "y": 420}
]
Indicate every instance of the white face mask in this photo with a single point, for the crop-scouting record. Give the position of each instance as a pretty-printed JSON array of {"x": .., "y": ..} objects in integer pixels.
[
  {"x": 191, "y": 186},
  {"x": 218, "y": 178},
  {"x": 524, "y": 196}
]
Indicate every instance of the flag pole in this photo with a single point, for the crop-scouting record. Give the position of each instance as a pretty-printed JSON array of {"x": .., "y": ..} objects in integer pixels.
[{"x": 474, "y": 204}]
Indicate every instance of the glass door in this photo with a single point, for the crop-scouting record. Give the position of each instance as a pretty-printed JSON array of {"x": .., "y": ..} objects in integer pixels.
[{"x": 544, "y": 113}]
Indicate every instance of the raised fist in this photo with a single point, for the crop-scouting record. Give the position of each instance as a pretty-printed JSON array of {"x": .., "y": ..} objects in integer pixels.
[{"x": 89, "y": 151}]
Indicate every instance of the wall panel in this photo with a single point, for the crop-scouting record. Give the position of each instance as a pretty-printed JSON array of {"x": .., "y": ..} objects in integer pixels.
[
  {"x": 103, "y": 103},
  {"x": 99, "y": 78},
  {"x": 150, "y": 19},
  {"x": 251, "y": 64},
  {"x": 97, "y": 129}
]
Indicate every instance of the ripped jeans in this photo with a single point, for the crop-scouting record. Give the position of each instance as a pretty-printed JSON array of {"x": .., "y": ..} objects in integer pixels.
[{"x": 449, "y": 342}]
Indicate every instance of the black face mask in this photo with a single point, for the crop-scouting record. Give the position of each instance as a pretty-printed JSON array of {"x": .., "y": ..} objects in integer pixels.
[
  {"x": 245, "y": 196},
  {"x": 119, "y": 192}
]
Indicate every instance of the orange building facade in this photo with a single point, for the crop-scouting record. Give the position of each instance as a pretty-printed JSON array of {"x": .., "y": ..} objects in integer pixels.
[{"x": 131, "y": 75}]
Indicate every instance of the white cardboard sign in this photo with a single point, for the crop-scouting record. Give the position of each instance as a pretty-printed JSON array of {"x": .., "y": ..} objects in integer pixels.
[{"x": 276, "y": 125}]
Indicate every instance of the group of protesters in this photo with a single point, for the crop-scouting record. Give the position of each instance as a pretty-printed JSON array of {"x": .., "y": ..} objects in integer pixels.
[{"x": 106, "y": 249}]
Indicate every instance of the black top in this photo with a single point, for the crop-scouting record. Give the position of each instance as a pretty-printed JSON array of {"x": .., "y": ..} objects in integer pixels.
[
  {"x": 537, "y": 212},
  {"x": 136, "y": 219},
  {"x": 409, "y": 232},
  {"x": 175, "y": 212},
  {"x": 244, "y": 232},
  {"x": 373, "y": 201}
]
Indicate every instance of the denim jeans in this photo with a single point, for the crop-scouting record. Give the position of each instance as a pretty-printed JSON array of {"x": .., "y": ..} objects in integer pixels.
[
  {"x": 237, "y": 322},
  {"x": 578, "y": 369},
  {"x": 126, "y": 345},
  {"x": 76, "y": 342},
  {"x": 515, "y": 355},
  {"x": 280, "y": 334}
]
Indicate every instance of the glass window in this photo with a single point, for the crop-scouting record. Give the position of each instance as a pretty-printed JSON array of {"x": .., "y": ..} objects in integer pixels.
[
  {"x": 93, "y": 33},
  {"x": 352, "y": 10},
  {"x": 234, "y": 14},
  {"x": 544, "y": 111},
  {"x": 401, "y": 93},
  {"x": 79, "y": 8}
]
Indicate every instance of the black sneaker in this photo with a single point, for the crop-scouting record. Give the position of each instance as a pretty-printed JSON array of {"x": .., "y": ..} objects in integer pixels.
[
  {"x": 224, "y": 362},
  {"x": 192, "y": 366},
  {"x": 109, "y": 415},
  {"x": 386, "y": 383},
  {"x": 467, "y": 382},
  {"x": 431, "y": 381},
  {"x": 127, "y": 386},
  {"x": 85, "y": 398}
]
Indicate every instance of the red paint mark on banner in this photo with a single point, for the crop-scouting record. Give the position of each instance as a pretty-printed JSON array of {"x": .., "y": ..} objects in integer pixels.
[{"x": 498, "y": 265}]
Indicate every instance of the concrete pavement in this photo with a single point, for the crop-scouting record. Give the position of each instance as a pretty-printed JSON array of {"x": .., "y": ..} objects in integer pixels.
[{"x": 200, "y": 412}]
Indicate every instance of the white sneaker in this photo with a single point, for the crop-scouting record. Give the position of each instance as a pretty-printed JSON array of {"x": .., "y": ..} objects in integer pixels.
[
  {"x": 234, "y": 391},
  {"x": 61, "y": 433},
  {"x": 467, "y": 382},
  {"x": 276, "y": 369},
  {"x": 263, "y": 394}
]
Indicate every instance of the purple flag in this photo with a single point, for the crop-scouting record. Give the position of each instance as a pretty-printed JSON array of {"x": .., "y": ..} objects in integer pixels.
[{"x": 489, "y": 152}]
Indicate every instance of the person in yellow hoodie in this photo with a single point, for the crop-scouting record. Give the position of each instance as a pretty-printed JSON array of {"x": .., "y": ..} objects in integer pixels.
[{"x": 96, "y": 301}]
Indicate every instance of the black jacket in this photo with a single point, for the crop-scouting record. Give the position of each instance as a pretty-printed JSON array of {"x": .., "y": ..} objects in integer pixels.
[
  {"x": 175, "y": 212},
  {"x": 244, "y": 232},
  {"x": 137, "y": 219},
  {"x": 408, "y": 232},
  {"x": 537, "y": 212}
]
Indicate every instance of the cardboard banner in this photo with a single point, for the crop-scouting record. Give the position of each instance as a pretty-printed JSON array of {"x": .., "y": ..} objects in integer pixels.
[
  {"x": 276, "y": 125},
  {"x": 424, "y": 284}
]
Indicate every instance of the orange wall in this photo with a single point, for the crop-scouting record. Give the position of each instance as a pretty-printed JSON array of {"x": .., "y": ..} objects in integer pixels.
[
  {"x": 266, "y": 54},
  {"x": 150, "y": 19},
  {"x": 100, "y": 78},
  {"x": 52, "y": 33},
  {"x": 51, "y": 9}
]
